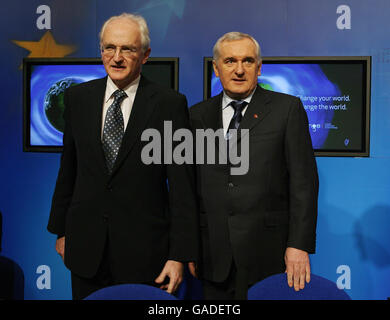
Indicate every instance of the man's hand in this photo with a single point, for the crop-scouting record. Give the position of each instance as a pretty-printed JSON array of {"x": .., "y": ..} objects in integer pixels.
[
  {"x": 174, "y": 271},
  {"x": 297, "y": 268},
  {"x": 60, "y": 246},
  {"x": 192, "y": 269}
]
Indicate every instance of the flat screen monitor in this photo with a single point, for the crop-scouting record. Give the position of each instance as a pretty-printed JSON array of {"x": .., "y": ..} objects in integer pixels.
[
  {"x": 335, "y": 92},
  {"x": 44, "y": 82}
]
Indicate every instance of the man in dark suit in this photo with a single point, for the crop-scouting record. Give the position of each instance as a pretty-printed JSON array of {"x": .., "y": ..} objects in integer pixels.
[
  {"x": 119, "y": 220},
  {"x": 262, "y": 222}
]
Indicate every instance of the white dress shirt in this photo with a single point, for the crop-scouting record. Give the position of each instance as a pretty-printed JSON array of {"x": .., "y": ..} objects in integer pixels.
[
  {"x": 127, "y": 102},
  {"x": 228, "y": 111}
]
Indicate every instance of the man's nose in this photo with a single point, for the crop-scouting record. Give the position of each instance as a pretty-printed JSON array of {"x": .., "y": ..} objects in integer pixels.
[
  {"x": 118, "y": 55},
  {"x": 240, "y": 68}
]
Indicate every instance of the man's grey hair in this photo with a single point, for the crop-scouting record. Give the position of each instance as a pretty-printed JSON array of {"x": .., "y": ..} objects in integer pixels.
[
  {"x": 143, "y": 28},
  {"x": 232, "y": 36}
]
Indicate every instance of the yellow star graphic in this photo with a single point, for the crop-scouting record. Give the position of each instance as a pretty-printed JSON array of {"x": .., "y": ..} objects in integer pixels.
[{"x": 47, "y": 47}]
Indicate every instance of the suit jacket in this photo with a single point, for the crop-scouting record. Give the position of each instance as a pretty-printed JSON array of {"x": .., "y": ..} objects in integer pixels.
[
  {"x": 252, "y": 218},
  {"x": 147, "y": 211}
]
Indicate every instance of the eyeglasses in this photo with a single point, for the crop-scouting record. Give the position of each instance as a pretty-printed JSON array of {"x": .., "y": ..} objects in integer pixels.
[{"x": 126, "y": 51}]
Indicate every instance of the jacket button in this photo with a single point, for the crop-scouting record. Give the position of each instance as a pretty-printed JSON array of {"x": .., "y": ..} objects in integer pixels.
[{"x": 231, "y": 185}]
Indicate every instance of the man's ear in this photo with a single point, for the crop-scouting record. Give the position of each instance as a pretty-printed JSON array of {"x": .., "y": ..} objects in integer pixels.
[
  {"x": 259, "y": 71},
  {"x": 215, "y": 68},
  {"x": 146, "y": 55},
  {"x": 101, "y": 51}
]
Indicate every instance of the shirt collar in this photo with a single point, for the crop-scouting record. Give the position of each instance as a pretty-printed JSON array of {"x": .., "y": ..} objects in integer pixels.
[
  {"x": 130, "y": 89},
  {"x": 226, "y": 100}
]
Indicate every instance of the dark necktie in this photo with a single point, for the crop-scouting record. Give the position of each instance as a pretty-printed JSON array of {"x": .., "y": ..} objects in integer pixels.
[
  {"x": 238, "y": 106},
  {"x": 113, "y": 130}
]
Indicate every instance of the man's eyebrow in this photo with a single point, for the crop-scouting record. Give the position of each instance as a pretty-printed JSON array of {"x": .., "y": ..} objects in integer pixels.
[{"x": 124, "y": 45}]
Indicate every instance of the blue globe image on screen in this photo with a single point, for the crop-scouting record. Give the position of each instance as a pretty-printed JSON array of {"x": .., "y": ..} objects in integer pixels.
[
  {"x": 54, "y": 102},
  {"x": 48, "y": 84}
]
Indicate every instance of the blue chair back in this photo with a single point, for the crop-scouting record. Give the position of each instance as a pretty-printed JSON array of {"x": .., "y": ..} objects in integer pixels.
[
  {"x": 275, "y": 287},
  {"x": 130, "y": 292}
]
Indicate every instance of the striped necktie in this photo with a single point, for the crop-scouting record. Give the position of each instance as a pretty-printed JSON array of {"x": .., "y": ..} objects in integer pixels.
[{"x": 238, "y": 106}]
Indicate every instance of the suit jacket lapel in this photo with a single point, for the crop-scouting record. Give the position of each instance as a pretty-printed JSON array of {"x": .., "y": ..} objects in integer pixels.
[
  {"x": 212, "y": 118},
  {"x": 257, "y": 109},
  {"x": 140, "y": 113},
  {"x": 96, "y": 98}
]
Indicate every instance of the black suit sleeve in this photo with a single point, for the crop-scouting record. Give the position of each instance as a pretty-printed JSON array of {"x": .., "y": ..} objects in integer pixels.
[
  {"x": 184, "y": 234},
  {"x": 303, "y": 180},
  {"x": 66, "y": 176}
]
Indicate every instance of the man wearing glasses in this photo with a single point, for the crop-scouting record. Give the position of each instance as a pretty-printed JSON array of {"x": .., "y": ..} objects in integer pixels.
[{"x": 117, "y": 219}]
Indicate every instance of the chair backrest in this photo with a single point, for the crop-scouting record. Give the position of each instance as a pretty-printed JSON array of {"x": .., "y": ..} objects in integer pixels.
[
  {"x": 11, "y": 280},
  {"x": 275, "y": 287},
  {"x": 130, "y": 292}
]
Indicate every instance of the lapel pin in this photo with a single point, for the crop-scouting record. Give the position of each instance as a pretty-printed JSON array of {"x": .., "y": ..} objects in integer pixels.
[{"x": 255, "y": 116}]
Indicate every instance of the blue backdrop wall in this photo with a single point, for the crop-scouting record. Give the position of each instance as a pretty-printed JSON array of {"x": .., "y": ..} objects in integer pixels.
[{"x": 353, "y": 244}]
